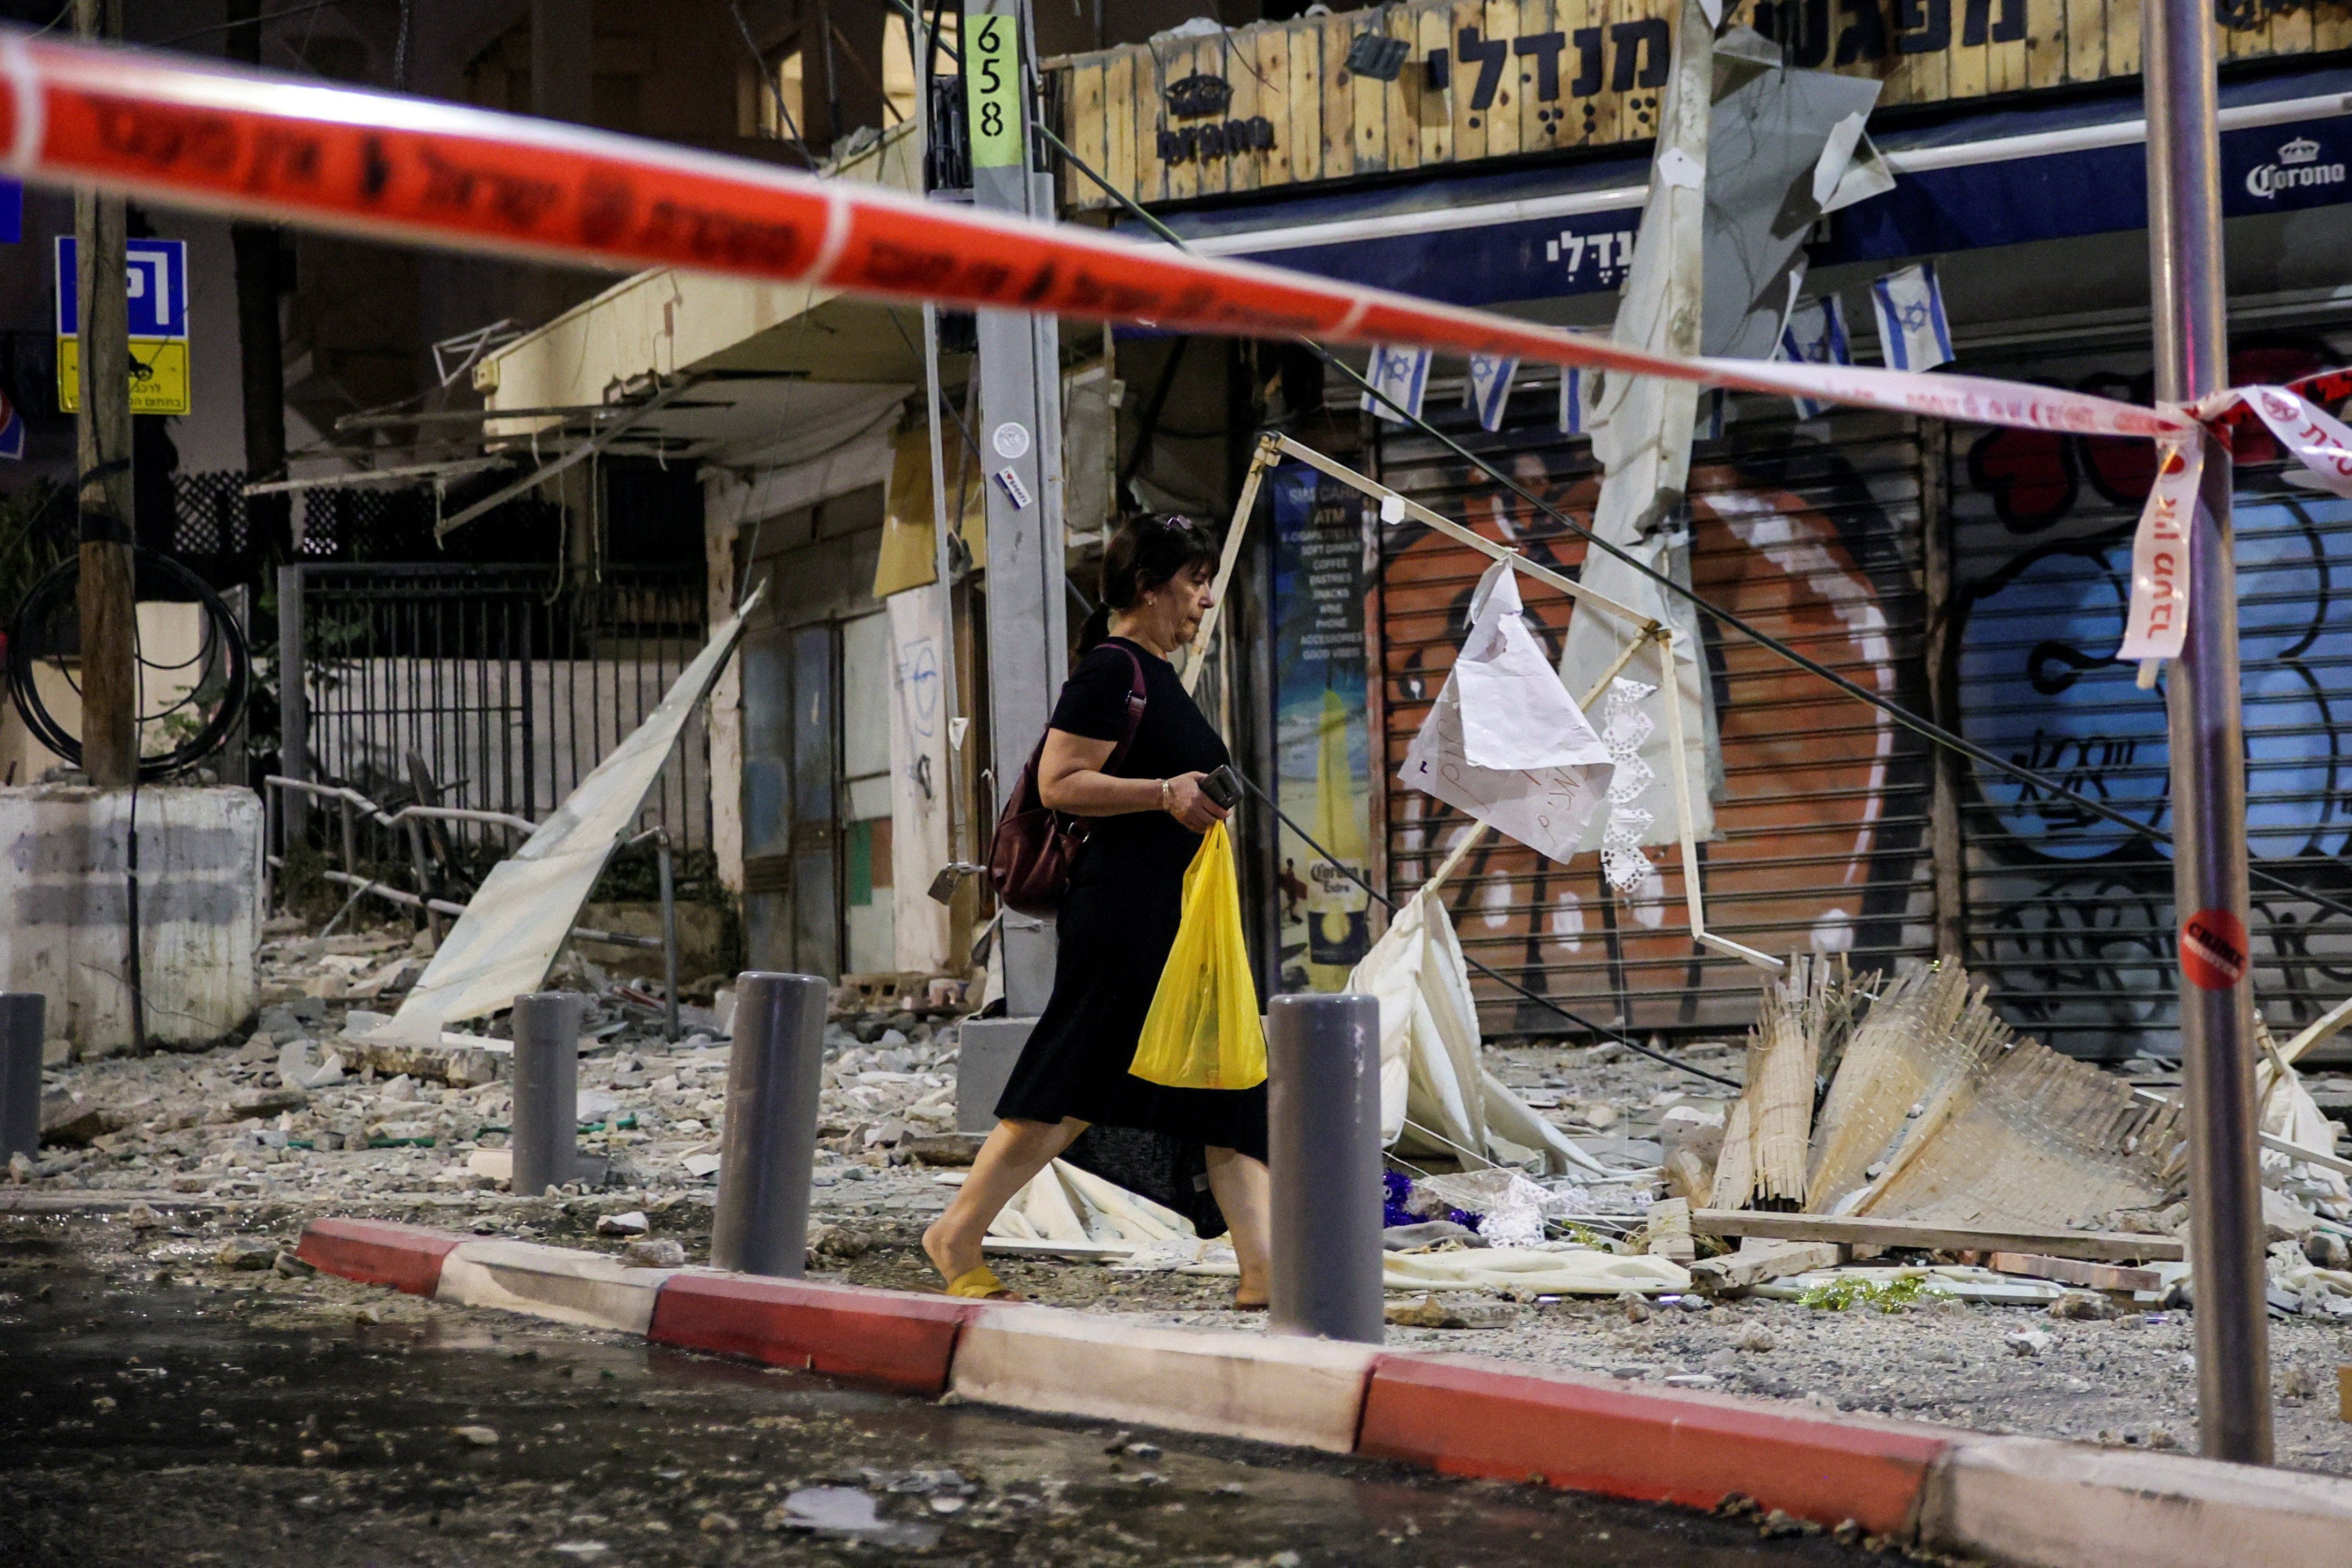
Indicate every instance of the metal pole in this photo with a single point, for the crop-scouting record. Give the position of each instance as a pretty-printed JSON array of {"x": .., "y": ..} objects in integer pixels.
[
  {"x": 1018, "y": 414},
  {"x": 760, "y": 1225},
  {"x": 546, "y": 1119},
  {"x": 22, "y": 1017},
  {"x": 1323, "y": 1138},
  {"x": 2189, "y": 288},
  {"x": 293, "y": 710},
  {"x": 669, "y": 936},
  {"x": 107, "y": 595}
]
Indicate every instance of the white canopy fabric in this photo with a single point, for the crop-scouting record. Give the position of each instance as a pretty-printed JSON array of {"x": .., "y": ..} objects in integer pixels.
[
  {"x": 1435, "y": 1097},
  {"x": 502, "y": 946}
]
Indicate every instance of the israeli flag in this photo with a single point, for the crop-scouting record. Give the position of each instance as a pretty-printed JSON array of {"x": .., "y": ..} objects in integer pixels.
[
  {"x": 1401, "y": 375},
  {"x": 1815, "y": 335},
  {"x": 1911, "y": 322},
  {"x": 1489, "y": 388},
  {"x": 1571, "y": 402}
]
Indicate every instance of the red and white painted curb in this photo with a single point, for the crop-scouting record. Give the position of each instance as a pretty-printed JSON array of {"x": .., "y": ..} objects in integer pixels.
[{"x": 2014, "y": 1499}]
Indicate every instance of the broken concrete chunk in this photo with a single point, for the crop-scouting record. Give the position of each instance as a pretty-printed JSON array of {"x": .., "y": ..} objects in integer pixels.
[
  {"x": 476, "y": 1437},
  {"x": 633, "y": 1223},
  {"x": 1451, "y": 1312},
  {"x": 1428, "y": 1233},
  {"x": 246, "y": 1254},
  {"x": 73, "y": 1122},
  {"x": 458, "y": 1067},
  {"x": 2085, "y": 1306},
  {"x": 1759, "y": 1260},
  {"x": 2027, "y": 1341},
  {"x": 253, "y": 1102},
  {"x": 2283, "y": 1219},
  {"x": 653, "y": 1252}
]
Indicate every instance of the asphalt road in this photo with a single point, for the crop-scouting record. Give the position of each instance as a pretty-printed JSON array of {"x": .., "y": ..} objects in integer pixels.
[{"x": 249, "y": 1420}]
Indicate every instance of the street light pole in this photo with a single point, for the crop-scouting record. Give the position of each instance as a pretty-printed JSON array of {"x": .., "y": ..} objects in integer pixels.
[{"x": 2188, "y": 293}]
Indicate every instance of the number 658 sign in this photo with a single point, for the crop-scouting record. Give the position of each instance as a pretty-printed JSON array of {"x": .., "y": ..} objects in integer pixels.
[{"x": 992, "y": 77}]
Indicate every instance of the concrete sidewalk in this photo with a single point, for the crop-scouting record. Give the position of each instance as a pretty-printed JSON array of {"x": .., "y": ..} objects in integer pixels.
[{"x": 2021, "y": 1500}]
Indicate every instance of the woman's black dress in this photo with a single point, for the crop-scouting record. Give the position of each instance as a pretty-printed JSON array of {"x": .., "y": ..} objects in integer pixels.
[{"x": 1116, "y": 927}]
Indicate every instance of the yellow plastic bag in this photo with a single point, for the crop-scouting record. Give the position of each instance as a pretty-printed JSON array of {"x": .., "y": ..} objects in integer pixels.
[{"x": 1203, "y": 1031}]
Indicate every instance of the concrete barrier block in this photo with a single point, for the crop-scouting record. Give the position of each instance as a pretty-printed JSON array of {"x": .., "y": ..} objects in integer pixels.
[
  {"x": 378, "y": 1252},
  {"x": 586, "y": 1287},
  {"x": 886, "y": 1338},
  {"x": 1469, "y": 1416},
  {"x": 2064, "y": 1505},
  {"x": 64, "y": 903},
  {"x": 1269, "y": 1389}
]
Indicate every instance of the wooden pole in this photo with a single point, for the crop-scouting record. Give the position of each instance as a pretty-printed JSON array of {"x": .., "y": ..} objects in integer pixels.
[{"x": 110, "y": 660}]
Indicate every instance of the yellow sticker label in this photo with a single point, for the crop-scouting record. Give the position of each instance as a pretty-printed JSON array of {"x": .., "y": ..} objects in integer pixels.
[
  {"x": 991, "y": 79},
  {"x": 159, "y": 375}
]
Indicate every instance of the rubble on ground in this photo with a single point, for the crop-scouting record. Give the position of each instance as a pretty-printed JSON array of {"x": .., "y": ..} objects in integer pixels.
[
  {"x": 299, "y": 1108},
  {"x": 2094, "y": 1350}
]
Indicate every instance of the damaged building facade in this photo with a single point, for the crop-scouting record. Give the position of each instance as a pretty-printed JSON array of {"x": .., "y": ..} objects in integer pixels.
[{"x": 1503, "y": 159}]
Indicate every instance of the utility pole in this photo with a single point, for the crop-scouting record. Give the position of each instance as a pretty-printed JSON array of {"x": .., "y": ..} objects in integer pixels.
[
  {"x": 261, "y": 348},
  {"x": 2189, "y": 293},
  {"x": 109, "y": 660},
  {"x": 1020, "y": 435}
]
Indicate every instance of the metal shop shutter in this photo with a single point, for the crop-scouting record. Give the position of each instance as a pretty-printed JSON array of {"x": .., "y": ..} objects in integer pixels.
[
  {"x": 1811, "y": 532},
  {"x": 2070, "y": 918}
]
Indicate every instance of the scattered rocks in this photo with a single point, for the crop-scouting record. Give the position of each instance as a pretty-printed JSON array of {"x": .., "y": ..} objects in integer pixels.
[
  {"x": 476, "y": 1437},
  {"x": 1636, "y": 1310},
  {"x": 1754, "y": 1337}
]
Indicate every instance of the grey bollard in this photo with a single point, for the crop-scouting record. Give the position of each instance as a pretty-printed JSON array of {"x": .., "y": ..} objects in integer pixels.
[
  {"x": 761, "y": 1226},
  {"x": 22, "y": 1017},
  {"x": 1323, "y": 1147},
  {"x": 546, "y": 1120}
]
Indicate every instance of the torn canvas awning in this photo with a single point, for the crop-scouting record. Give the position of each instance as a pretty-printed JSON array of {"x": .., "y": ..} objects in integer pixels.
[
  {"x": 502, "y": 946},
  {"x": 1436, "y": 1098},
  {"x": 1505, "y": 742}
]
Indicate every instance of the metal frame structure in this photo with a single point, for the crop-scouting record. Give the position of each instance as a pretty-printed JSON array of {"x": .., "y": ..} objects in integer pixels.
[{"x": 1273, "y": 447}]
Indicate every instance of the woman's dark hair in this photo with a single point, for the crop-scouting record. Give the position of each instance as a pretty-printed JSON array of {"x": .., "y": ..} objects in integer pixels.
[{"x": 1143, "y": 553}]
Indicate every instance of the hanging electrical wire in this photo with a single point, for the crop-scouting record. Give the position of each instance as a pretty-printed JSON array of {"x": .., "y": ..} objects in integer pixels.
[{"x": 202, "y": 697}]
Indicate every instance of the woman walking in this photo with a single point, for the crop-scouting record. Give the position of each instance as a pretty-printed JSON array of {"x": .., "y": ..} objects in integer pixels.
[{"x": 1120, "y": 918}]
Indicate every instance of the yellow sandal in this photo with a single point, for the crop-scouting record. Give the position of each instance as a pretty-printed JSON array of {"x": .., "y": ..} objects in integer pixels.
[{"x": 981, "y": 1284}]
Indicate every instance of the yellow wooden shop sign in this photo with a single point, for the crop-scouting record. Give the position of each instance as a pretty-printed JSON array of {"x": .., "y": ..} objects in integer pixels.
[{"x": 1291, "y": 103}]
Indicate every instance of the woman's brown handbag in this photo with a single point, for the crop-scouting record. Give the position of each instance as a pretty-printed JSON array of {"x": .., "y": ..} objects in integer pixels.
[{"x": 1032, "y": 851}]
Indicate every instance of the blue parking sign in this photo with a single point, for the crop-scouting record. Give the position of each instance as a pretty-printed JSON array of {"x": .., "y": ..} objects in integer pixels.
[{"x": 157, "y": 285}]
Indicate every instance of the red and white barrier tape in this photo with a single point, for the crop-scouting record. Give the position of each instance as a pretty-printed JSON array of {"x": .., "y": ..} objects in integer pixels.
[
  {"x": 2157, "y": 619},
  {"x": 412, "y": 168},
  {"x": 418, "y": 170}
]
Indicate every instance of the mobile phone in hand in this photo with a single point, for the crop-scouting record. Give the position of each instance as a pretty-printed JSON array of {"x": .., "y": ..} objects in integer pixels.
[{"x": 1223, "y": 787}]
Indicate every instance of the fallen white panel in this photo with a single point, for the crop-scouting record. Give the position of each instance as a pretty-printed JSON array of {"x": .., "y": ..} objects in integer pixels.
[{"x": 512, "y": 928}]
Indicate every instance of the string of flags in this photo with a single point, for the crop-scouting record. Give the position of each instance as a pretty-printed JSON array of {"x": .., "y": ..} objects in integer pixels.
[{"x": 1915, "y": 334}]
